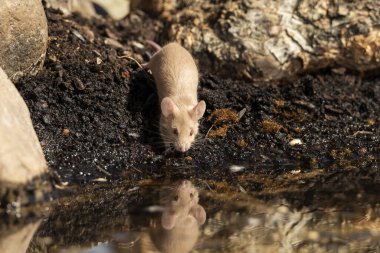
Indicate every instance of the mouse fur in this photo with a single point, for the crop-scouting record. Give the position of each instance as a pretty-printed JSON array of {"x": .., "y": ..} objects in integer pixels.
[{"x": 176, "y": 76}]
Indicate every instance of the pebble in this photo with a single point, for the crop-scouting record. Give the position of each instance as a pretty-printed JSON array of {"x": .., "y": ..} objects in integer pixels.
[
  {"x": 47, "y": 119},
  {"x": 113, "y": 43},
  {"x": 79, "y": 85},
  {"x": 66, "y": 132},
  {"x": 236, "y": 168},
  {"x": 295, "y": 142},
  {"x": 78, "y": 35}
]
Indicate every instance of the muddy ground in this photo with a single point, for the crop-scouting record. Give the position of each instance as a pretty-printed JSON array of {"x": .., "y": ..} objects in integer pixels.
[{"x": 96, "y": 114}]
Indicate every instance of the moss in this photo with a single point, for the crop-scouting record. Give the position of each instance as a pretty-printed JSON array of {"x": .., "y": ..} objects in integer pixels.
[
  {"x": 241, "y": 143},
  {"x": 279, "y": 102},
  {"x": 371, "y": 122},
  {"x": 222, "y": 115},
  {"x": 219, "y": 132},
  {"x": 271, "y": 126}
]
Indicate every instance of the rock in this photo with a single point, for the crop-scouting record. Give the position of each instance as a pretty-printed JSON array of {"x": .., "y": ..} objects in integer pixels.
[
  {"x": 23, "y": 37},
  {"x": 21, "y": 156},
  {"x": 116, "y": 9},
  {"x": 155, "y": 7},
  {"x": 18, "y": 241},
  {"x": 278, "y": 39}
]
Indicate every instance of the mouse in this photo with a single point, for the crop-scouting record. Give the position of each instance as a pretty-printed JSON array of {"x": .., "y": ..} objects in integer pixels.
[
  {"x": 180, "y": 220},
  {"x": 175, "y": 229},
  {"x": 176, "y": 76}
]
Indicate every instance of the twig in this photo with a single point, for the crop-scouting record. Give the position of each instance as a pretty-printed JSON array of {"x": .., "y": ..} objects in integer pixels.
[
  {"x": 103, "y": 170},
  {"x": 206, "y": 136},
  {"x": 362, "y": 132},
  {"x": 132, "y": 59},
  {"x": 208, "y": 186}
]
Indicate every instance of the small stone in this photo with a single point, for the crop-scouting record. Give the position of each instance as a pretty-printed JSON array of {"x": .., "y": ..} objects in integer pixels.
[
  {"x": 79, "y": 85},
  {"x": 241, "y": 143},
  {"x": 295, "y": 142},
  {"x": 134, "y": 135},
  {"x": 236, "y": 168},
  {"x": 47, "y": 119},
  {"x": 88, "y": 33},
  {"x": 113, "y": 43},
  {"x": 78, "y": 35},
  {"x": 66, "y": 132},
  {"x": 126, "y": 74},
  {"x": 137, "y": 45},
  {"x": 98, "y": 60}
]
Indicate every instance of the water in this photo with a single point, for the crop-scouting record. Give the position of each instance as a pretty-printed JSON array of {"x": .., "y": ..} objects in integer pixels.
[{"x": 154, "y": 216}]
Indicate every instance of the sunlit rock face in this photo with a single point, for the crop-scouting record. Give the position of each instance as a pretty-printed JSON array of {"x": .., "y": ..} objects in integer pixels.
[
  {"x": 21, "y": 157},
  {"x": 23, "y": 37}
]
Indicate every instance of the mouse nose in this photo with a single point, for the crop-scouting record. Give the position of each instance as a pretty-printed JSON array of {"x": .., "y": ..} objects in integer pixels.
[{"x": 182, "y": 147}]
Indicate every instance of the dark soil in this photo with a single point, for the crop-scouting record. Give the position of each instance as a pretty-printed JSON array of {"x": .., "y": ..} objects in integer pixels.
[{"x": 96, "y": 114}]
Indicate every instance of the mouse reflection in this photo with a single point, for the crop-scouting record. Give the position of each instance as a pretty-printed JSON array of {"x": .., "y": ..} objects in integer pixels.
[{"x": 177, "y": 229}]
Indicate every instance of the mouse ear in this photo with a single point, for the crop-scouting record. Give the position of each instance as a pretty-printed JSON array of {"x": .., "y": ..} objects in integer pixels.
[
  {"x": 199, "y": 214},
  {"x": 168, "y": 219},
  {"x": 168, "y": 107},
  {"x": 199, "y": 110}
]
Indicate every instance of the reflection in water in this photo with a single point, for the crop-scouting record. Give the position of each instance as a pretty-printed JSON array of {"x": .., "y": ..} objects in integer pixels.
[
  {"x": 16, "y": 240},
  {"x": 178, "y": 227},
  {"x": 276, "y": 227},
  {"x": 170, "y": 219},
  {"x": 180, "y": 219}
]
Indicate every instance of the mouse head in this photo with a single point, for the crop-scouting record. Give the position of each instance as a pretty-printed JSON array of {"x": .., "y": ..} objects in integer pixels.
[
  {"x": 182, "y": 200},
  {"x": 181, "y": 124}
]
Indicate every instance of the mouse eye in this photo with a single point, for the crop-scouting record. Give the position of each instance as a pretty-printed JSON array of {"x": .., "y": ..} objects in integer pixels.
[
  {"x": 175, "y": 198},
  {"x": 191, "y": 195},
  {"x": 191, "y": 132},
  {"x": 175, "y": 131}
]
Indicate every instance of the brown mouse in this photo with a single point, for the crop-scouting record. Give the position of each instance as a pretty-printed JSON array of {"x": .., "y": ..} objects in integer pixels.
[{"x": 176, "y": 77}]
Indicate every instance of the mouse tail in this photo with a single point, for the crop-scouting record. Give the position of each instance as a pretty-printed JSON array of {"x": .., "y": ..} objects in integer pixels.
[{"x": 153, "y": 44}]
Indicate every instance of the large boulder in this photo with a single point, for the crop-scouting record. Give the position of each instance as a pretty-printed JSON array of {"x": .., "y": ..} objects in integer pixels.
[
  {"x": 23, "y": 37},
  {"x": 21, "y": 156},
  {"x": 278, "y": 39}
]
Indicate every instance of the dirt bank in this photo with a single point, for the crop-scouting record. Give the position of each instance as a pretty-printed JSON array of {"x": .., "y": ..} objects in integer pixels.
[{"x": 96, "y": 113}]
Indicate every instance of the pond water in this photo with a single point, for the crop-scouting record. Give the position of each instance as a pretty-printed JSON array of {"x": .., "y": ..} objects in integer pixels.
[{"x": 194, "y": 215}]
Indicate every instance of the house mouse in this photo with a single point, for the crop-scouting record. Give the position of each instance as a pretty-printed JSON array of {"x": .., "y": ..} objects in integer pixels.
[
  {"x": 177, "y": 228},
  {"x": 180, "y": 220},
  {"x": 176, "y": 77}
]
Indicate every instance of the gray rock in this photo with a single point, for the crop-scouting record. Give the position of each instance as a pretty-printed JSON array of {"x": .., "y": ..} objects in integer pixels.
[
  {"x": 21, "y": 156},
  {"x": 23, "y": 37}
]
